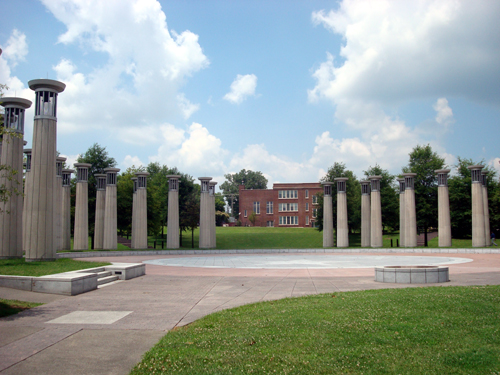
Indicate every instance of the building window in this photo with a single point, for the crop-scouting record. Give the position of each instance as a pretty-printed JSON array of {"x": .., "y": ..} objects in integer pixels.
[
  {"x": 245, "y": 214},
  {"x": 315, "y": 212},
  {"x": 307, "y": 220},
  {"x": 256, "y": 207},
  {"x": 307, "y": 206},
  {"x": 269, "y": 207},
  {"x": 307, "y": 194},
  {"x": 289, "y": 220},
  {"x": 315, "y": 199},
  {"x": 270, "y": 223},
  {"x": 285, "y": 207},
  {"x": 288, "y": 194}
]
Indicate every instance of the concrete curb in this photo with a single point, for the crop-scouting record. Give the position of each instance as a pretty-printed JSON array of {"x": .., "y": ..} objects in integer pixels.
[{"x": 93, "y": 254}]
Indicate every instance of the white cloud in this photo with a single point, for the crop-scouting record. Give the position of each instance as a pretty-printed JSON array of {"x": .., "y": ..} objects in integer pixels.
[
  {"x": 444, "y": 115},
  {"x": 394, "y": 50},
  {"x": 194, "y": 150},
  {"x": 70, "y": 160},
  {"x": 16, "y": 48},
  {"x": 241, "y": 88},
  {"x": 130, "y": 161},
  {"x": 139, "y": 84},
  {"x": 495, "y": 163}
]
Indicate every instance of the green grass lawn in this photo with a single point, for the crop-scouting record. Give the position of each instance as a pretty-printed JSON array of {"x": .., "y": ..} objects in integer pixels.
[
  {"x": 229, "y": 238},
  {"x": 11, "y": 307},
  {"x": 447, "y": 330},
  {"x": 20, "y": 267}
]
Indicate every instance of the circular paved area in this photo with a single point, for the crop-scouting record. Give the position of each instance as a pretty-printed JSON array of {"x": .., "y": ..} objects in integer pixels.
[{"x": 304, "y": 261}]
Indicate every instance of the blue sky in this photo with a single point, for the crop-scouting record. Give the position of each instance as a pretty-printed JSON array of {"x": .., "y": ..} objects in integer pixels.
[{"x": 283, "y": 87}]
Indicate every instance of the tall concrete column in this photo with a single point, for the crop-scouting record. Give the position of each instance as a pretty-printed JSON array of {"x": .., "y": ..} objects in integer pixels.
[
  {"x": 365, "y": 213},
  {"x": 478, "y": 236},
  {"x": 327, "y": 215},
  {"x": 402, "y": 212},
  {"x": 110, "y": 211},
  {"x": 81, "y": 236},
  {"x": 11, "y": 211},
  {"x": 99, "y": 210},
  {"x": 173, "y": 212},
  {"x": 484, "y": 181},
  {"x": 213, "y": 240},
  {"x": 134, "y": 213},
  {"x": 410, "y": 211},
  {"x": 141, "y": 213},
  {"x": 444, "y": 222},
  {"x": 43, "y": 167},
  {"x": 342, "y": 226},
  {"x": 58, "y": 204},
  {"x": 205, "y": 227},
  {"x": 27, "y": 195},
  {"x": 66, "y": 208},
  {"x": 375, "y": 212}
]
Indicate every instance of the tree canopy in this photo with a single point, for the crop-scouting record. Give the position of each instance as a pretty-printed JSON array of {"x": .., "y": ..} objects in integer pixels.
[{"x": 230, "y": 188}]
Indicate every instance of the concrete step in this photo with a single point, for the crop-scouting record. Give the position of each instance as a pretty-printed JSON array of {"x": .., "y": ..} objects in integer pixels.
[
  {"x": 107, "y": 279},
  {"x": 103, "y": 274}
]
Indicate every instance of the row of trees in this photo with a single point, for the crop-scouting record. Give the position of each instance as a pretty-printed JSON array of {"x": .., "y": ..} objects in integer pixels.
[
  {"x": 423, "y": 161},
  {"x": 157, "y": 195}
]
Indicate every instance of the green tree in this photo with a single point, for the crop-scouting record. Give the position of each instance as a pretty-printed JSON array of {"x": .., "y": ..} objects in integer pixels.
[
  {"x": 388, "y": 197},
  {"x": 353, "y": 197},
  {"x": 189, "y": 216},
  {"x": 252, "y": 217},
  {"x": 424, "y": 162},
  {"x": 230, "y": 188}
]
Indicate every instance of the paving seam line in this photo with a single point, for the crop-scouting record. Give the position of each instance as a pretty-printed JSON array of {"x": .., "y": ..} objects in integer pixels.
[
  {"x": 283, "y": 278},
  {"x": 199, "y": 300}
]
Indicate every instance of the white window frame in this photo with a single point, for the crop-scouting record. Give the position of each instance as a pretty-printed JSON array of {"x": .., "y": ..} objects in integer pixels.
[
  {"x": 256, "y": 207},
  {"x": 307, "y": 206},
  {"x": 245, "y": 213},
  {"x": 270, "y": 207},
  {"x": 307, "y": 193}
]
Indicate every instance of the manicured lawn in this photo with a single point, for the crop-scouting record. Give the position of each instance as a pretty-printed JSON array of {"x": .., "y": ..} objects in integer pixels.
[
  {"x": 447, "y": 330},
  {"x": 11, "y": 307},
  {"x": 20, "y": 267}
]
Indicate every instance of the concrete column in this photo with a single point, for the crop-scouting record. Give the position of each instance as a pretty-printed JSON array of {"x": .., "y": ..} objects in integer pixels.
[
  {"x": 478, "y": 236},
  {"x": 110, "y": 211},
  {"x": 134, "y": 211},
  {"x": 342, "y": 226},
  {"x": 11, "y": 211},
  {"x": 27, "y": 195},
  {"x": 66, "y": 208},
  {"x": 99, "y": 210},
  {"x": 402, "y": 212},
  {"x": 205, "y": 222},
  {"x": 58, "y": 204},
  {"x": 213, "y": 239},
  {"x": 173, "y": 212},
  {"x": 327, "y": 215},
  {"x": 81, "y": 237},
  {"x": 444, "y": 223},
  {"x": 410, "y": 211},
  {"x": 141, "y": 213},
  {"x": 43, "y": 164},
  {"x": 375, "y": 212},
  {"x": 484, "y": 181},
  {"x": 365, "y": 213}
]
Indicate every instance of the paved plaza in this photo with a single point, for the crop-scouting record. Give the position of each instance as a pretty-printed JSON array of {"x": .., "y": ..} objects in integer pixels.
[{"x": 106, "y": 331}]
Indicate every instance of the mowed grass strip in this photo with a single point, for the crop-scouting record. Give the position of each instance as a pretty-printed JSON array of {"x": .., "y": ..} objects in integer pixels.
[
  {"x": 20, "y": 267},
  {"x": 448, "y": 330},
  {"x": 11, "y": 307}
]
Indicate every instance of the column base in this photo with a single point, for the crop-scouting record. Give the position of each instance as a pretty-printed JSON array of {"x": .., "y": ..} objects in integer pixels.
[{"x": 41, "y": 260}]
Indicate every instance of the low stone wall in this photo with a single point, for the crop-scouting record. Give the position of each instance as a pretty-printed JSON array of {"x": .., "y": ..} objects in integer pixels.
[{"x": 412, "y": 274}]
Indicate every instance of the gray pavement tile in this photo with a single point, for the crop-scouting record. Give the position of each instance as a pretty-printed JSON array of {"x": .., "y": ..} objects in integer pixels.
[{"x": 11, "y": 334}]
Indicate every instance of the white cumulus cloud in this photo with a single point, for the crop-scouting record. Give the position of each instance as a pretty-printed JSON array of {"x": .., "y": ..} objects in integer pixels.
[
  {"x": 16, "y": 48},
  {"x": 241, "y": 88},
  {"x": 444, "y": 114}
]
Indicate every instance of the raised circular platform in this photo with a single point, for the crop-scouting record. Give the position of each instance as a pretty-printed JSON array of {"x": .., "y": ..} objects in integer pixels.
[
  {"x": 306, "y": 261},
  {"x": 412, "y": 274}
]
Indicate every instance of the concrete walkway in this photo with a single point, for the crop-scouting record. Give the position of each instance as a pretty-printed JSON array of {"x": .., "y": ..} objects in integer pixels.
[{"x": 106, "y": 331}]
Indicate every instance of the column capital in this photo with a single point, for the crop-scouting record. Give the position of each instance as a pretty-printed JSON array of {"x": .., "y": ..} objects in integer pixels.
[
  {"x": 82, "y": 171},
  {"x": 327, "y": 188},
  {"x": 101, "y": 181},
  {"x": 365, "y": 187},
  {"x": 341, "y": 184},
  {"x": 375, "y": 183},
  {"x": 14, "y": 113},
  {"x": 476, "y": 173},
  {"x": 204, "y": 184},
  {"x": 409, "y": 180},
  {"x": 442, "y": 176},
  {"x": 401, "y": 185},
  {"x": 141, "y": 179}
]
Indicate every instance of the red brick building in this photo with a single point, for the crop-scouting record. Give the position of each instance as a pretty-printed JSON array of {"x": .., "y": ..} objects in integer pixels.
[{"x": 285, "y": 205}]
